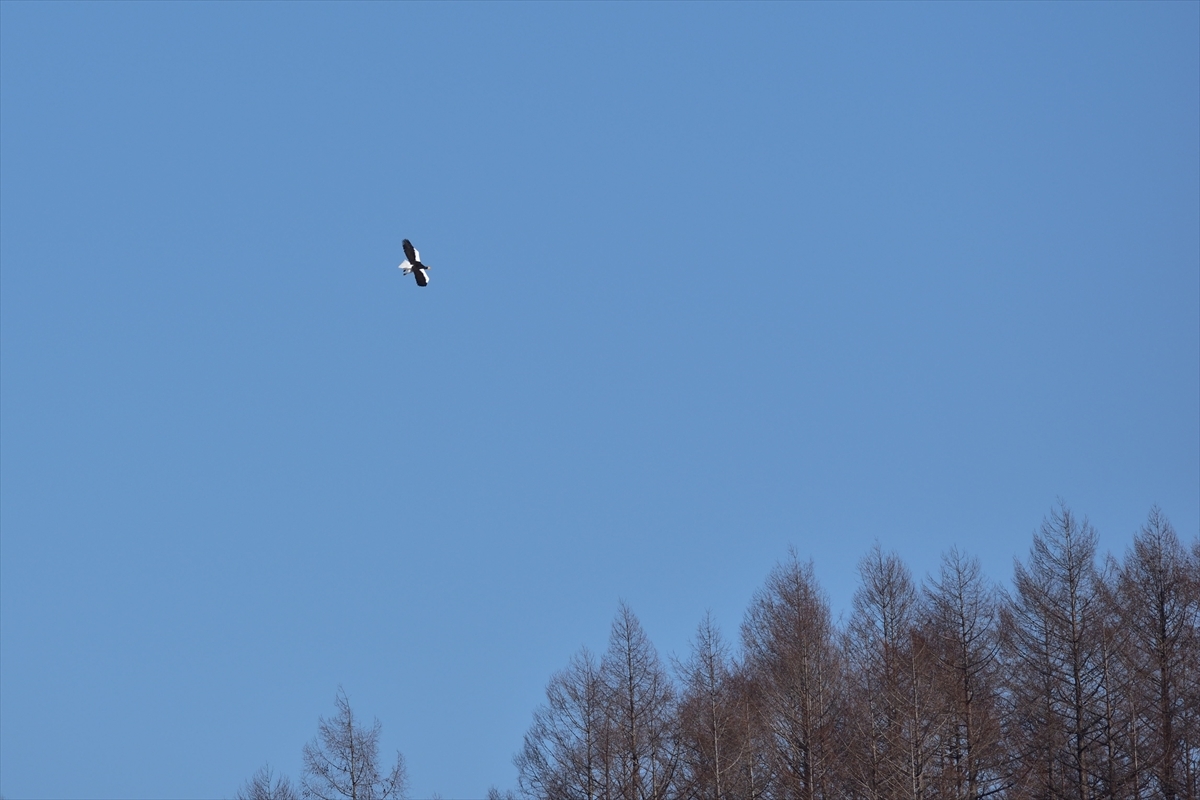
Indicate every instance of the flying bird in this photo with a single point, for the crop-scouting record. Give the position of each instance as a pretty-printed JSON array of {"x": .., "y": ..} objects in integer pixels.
[{"x": 412, "y": 263}]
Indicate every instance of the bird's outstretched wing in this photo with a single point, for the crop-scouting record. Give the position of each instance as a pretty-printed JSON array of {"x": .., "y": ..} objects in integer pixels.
[
  {"x": 410, "y": 252},
  {"x": 422, "y": 277}
]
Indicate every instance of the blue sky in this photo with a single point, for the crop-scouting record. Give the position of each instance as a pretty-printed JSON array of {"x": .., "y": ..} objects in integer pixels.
[{"x": 709, "y": 282}]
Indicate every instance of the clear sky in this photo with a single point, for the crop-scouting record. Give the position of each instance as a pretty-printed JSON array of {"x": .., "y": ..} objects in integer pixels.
[{"x": 709, "y": 281}]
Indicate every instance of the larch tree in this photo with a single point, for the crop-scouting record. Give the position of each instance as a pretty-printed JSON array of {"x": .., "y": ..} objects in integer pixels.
[
  {"x": 264, "y": 785},
  {"x": 792, "y": 662},
  {"x": 1121, "y": 737},
  {"x": 964, "y": 621},
  {"x": 1082, "y": 683},
  {"x": 342, "y": 763},
  {"x": 895, "y": 712},
  {"x": 1159, "y": 600},
  {"x": 1055, "y": 650},
  {"x": 713, "y": 744},
  {"x": 1190, "y": 780},
  {"x": 641, "y": 713},
  {"x": 565, "y": 754}
]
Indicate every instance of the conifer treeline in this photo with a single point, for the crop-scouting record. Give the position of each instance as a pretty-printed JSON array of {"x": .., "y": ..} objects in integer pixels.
[{"x": 1082, "y": 682}]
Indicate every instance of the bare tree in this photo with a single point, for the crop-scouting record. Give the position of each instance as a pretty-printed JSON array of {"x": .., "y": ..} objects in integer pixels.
[
  {"x": 1032, "y": 737},
  {"x": 898, "y": 716},
  {"x": 1122, "y": 736},
  {"x": 606, "y": 732},
  {"x": 964, "y": 620},
  {"x": 756, "y": 775},
  {"x": 342, "y": 763},
  {"x": 1083, "y": 683},
  {"x": 1055, "y": 648},
  {"x": 1160, "y": 605},
  {"x": 260, "y": 786},
  {"x": 713, "y": 742},
  {"x": 1189, "y": 781},
  {"x": 793, "y": 663},
  {"x": 566, "y": 748},
  {"x": 640, "y": 707}
]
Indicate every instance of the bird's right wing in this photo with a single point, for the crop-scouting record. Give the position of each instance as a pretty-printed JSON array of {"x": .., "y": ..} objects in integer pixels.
[{"x": 410, "y": 252}]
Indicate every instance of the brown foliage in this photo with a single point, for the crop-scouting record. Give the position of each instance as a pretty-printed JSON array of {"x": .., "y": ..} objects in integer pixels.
[{"x": 1083, "y": 683}]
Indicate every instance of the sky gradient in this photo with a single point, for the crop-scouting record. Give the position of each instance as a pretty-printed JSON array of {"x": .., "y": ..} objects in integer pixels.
[{"x": 708, "y": 282}]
